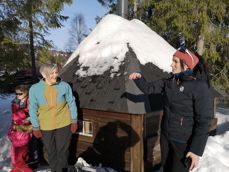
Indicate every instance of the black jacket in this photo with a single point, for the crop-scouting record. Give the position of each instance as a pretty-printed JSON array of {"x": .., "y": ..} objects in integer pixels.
[{"x": 187, "y": 109}]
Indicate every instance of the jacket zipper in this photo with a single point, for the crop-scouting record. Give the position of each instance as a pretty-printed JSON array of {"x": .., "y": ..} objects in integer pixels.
[{"x": 181, "y": 121}]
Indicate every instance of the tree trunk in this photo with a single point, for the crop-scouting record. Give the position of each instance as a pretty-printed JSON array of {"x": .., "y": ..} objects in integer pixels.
[
  {"x": 200, "y": 45},
  {"x": 135, "y": 8},
  {"x": 145, "y": 3},
  {"x": 32, "y": 53}
]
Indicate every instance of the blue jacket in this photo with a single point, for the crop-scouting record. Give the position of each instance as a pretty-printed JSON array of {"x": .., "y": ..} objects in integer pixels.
[{"x": 51, "y": 107}]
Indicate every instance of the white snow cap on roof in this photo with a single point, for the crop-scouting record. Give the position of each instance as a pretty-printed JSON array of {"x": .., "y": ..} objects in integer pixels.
[{"x": 105, "y": 47}]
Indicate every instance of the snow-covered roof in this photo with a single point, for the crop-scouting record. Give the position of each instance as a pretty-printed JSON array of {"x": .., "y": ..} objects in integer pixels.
[
  {"x": 109, "y": 39},
  {"x": 99, "y": 68}
]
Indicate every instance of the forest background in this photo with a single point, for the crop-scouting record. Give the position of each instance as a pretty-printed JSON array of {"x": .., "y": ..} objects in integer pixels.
[{"x": 24, "y": 24}]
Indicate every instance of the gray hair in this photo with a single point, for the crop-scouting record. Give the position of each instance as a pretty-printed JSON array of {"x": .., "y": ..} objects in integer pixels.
[{"x": 46, "y": 69}]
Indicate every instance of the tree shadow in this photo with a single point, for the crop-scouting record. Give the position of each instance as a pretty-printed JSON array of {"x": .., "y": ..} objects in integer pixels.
[
  {"x": 222, "y": 128},
  {"x": 110, "y": 145},
  {"x": 72, "y": 159},
  {"x": 155, "y": 101},
  {"x": 153, "y": 104}
]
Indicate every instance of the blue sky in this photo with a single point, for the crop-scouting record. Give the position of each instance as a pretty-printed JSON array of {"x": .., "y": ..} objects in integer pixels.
[{"x": 88, "y": 8}]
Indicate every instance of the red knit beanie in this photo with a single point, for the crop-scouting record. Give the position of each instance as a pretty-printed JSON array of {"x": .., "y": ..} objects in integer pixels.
[{"x": 188, "y": 57}]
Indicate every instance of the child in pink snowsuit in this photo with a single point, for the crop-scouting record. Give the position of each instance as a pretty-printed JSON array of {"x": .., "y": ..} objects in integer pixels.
[{"x": 20, "y": 132}]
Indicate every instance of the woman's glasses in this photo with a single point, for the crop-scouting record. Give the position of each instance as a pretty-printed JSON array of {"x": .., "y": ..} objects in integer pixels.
[
  {"x": 54, "y": 67},
  {"x": 18, "y": 94}
]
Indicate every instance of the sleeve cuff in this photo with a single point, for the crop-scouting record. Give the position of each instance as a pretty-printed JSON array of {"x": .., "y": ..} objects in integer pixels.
[
  {"x": 74, "y": 120},
  {"x": 36, "y": 128}
]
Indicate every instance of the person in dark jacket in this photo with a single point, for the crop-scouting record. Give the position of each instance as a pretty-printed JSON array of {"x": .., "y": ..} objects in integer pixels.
[{"x": 187, "y": 110}]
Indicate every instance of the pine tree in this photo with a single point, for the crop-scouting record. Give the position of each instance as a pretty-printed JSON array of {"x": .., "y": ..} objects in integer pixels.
[
  {"x": 35, "y": 18},
  {"x": 14, "y": 52},
  {"x": 204, "y": 25}
]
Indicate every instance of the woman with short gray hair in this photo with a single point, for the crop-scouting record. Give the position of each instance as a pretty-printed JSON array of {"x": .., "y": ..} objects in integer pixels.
[{"x": 53, "y": 113}]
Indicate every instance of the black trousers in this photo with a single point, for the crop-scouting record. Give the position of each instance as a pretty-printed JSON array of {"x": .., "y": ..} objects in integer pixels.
[
  {"x": 33, "y": 152},
  {"x": 172, "y": 155},
  {"x": 57, "y": 143}
]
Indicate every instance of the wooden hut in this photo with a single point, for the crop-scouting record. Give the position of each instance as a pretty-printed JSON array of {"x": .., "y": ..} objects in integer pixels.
[{"x": 119, "y": 125}]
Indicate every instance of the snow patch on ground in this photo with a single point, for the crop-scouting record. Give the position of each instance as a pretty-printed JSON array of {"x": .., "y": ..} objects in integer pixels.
[{"x": 215, "y": 158}]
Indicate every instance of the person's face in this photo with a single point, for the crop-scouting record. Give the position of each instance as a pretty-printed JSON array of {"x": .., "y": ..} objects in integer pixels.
[
  {"x": 51, "y": 79},
  {"x": 20, "y": 95},
  {"x": 176, "y": 65}
]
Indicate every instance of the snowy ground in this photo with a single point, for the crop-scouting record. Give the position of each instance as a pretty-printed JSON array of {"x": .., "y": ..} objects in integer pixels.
[
  {"x": 215, "y": 158},
  {"x": 216, "y": 155},
  {"x": 5, "y": 120}
]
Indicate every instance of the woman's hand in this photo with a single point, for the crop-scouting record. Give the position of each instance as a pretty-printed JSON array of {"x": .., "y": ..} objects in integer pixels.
[
  {"x": 195, "y": 160},
  {"x": 134, "y": 76},
  {"x": 74, "y": 127},
  {"x": 37, "y": 133}
]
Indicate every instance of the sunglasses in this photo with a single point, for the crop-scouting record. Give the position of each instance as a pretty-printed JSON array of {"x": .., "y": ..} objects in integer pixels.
[
  {"x": 54, "y": 66},
  {"x": 18, "y": 94}
]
